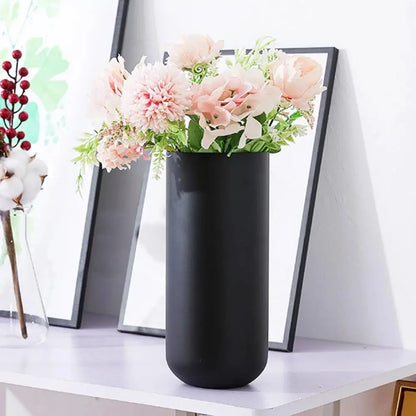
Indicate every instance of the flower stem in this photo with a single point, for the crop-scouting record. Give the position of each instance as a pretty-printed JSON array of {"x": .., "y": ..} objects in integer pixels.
[{"x": 11, "y": 251}]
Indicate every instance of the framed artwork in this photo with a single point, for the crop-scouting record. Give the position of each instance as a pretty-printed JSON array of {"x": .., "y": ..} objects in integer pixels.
[
  {"x": 294, "y": 174},
  {"x": 65, "y": 50},
  {"x": 404, "y": 402}
]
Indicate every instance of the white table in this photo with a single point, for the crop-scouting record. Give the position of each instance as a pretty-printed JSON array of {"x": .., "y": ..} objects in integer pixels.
[{"x": 100, "y": 362}]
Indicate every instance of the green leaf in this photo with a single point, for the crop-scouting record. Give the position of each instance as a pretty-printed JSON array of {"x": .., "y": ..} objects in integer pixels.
[
  {"x": 273, "y": 147},
  {"x": 261, "y": 118},
  {"x": 231, "y": 142},
  {"x": 255, "y": 146},
  {"x": 195, "y": 134},
  {"x": 296, "y": 115}
]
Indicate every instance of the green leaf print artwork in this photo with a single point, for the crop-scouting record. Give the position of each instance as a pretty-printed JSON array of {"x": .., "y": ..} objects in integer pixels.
[{"x": 50, "y": 63}]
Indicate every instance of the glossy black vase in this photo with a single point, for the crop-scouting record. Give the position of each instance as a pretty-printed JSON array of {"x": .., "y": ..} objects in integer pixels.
[{"x": 217, "y": 267}]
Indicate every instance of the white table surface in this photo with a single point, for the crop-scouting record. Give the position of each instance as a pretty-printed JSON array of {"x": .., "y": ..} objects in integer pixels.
[{"x": 100, "y": 362}]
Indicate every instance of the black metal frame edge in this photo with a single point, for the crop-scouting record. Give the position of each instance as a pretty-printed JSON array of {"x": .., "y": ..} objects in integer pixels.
[
  {"x": 310, "y": 198},
  {"x": 88, "y": 237}
]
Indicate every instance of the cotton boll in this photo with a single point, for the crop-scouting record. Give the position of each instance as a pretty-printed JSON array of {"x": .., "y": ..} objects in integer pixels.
[
  {"x": 11, "y": 188},
  {"x": 16, "y": 166},
  {"x": 37, "y": 166},
  {"x": 19, "y": 154},
  {"x": 6, "y": 204},
  {"x": 32, "y": 184}
]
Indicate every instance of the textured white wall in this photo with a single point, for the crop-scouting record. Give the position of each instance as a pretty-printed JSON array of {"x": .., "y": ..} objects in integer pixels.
[{"x": 359, "y": 283}]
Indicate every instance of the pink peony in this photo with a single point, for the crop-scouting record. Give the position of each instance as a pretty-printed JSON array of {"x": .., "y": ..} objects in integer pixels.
[
  {"x": 222, "y": 102},
  {"x": 108, "y": 89},
  {"x": 298, "y": 77},
  {"x": 194, "y": 49},
  {"x": 154, "y": 95}
]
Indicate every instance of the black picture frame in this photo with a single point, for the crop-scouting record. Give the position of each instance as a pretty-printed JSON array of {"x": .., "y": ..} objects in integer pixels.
[
  {"x": 88, "y": 235},
  {"x": 306, "y": 222}
]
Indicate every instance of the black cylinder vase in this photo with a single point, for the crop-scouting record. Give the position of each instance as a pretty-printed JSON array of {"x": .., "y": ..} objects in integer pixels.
[{"x": 217, "y": 267}]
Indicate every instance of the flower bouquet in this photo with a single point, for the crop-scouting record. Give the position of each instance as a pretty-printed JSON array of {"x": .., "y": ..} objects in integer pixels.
[
  {"x": 217, "y": 121},
  {"x": 21, "y": 178},
  {"x": 188, "y": 105}
]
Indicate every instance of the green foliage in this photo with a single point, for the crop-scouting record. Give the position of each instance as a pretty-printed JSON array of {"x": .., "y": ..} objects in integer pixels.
[
  {"x": 195, "y": 134},
  {"x": 231, "y": 143},
  {"x": 158, "y": 159},
  {"x": 87, "y": 155}
]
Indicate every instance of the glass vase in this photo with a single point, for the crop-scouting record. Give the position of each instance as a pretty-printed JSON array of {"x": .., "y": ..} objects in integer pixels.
[{"x": 23, "y": 320}]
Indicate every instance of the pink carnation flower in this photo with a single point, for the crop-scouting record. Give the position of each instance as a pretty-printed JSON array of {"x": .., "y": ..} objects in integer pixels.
[
  {"x": 154, "y": 95},
  {"x": 194, "y": 49}
]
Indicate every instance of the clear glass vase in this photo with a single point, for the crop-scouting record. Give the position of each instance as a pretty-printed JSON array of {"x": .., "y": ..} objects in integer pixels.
[{"x": 23, "y": 320}]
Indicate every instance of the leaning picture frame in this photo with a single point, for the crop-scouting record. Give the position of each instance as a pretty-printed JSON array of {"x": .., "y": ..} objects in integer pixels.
[
  {"x": 294, "y": 176},
  {"x": 61, "y": 62}
]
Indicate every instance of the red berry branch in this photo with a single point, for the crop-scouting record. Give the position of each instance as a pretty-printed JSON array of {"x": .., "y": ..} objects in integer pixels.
[{"x": 14, "y": 101}]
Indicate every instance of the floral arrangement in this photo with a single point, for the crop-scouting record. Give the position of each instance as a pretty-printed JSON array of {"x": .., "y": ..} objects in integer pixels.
[
  {"x": 189, "y": 105},
  {"x": 21, "y": 174}
]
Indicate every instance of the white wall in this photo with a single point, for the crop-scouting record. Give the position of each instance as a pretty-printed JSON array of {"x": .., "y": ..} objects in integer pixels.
[{"x": 359, "y": 283}]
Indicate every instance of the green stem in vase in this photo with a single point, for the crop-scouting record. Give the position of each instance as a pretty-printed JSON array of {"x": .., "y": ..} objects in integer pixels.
[{"x": 11, "y": 251}]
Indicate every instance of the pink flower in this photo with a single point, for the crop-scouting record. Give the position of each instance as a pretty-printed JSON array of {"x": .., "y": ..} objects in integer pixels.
[
  {"x": 298, "y": 77},
  {"x": 154, "y": 95},
  {"x": 108, "y": 89},
  {"x": 194, "y": 49},
  {"x": 118, "y": 154},
  {"x": 222, "y": 102}
]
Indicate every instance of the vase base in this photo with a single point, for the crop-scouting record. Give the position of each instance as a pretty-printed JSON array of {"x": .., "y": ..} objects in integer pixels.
[{"x": 218, "y": 378}]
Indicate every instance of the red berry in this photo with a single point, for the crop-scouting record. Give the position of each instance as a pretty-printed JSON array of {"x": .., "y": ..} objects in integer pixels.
[
  {"x": 13, "y": 98},
  {"x": 5, "y": 94},
  {"x": 6, "y": 65},
  {"x": 25, "y": 85},
  {"x": 2, "y": 130},
  {"x": 23, "y": 116},
  {"x": 25, "y": 145},
  {"x": 17, "y": 54},
  {"x": 5, "y": 113},
  {"x": 10, "y": 133},
  {"x": 23, "y": 99},
  {"x": 23, "y": 71},
  {"x": 20, "y": 135},
  {"x": 4, "y": 83}
]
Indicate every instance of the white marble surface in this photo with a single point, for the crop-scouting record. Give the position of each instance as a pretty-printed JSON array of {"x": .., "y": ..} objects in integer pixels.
[{"x": 98, "y": 361}]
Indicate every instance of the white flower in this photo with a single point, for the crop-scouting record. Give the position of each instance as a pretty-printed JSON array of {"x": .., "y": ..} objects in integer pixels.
[{"x": 21, "y": 179}]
